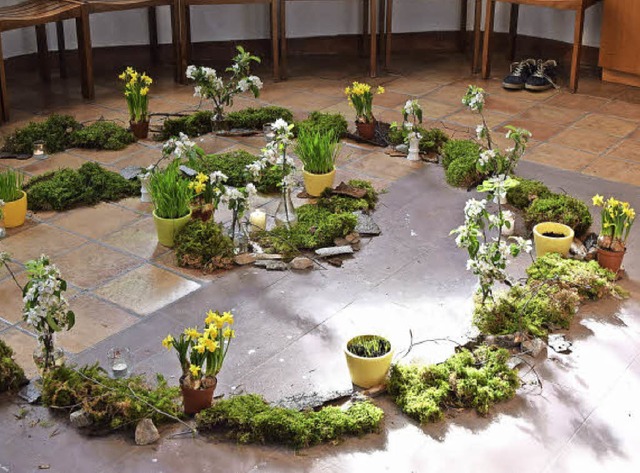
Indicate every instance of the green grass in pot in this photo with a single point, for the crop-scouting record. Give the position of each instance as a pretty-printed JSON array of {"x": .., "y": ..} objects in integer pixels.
[
  {"x": 369, "y": 346},
  {"x": 11, "y": 185},
  {"x": 317, "y": 151},
  {"x": 170, "y": 192}
]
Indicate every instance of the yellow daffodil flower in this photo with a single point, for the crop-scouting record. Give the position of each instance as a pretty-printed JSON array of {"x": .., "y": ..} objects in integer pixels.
[
  {"x": 192, "y": 334},
  {"x": 199, "y": 348},
  {"x": 228, "y": 333},
  {"x": 199, "y": 187},
  {"x": 195, "y": 370},
  {"x": 380, "y": 90},
  {"x": 144, "y": 91},
  {"x": 202, "y": 177},
  {"x": 122, "y": 76},
  {"x": 168, "y": 342},
  {"x": 211, "y": 332},
  {"x": 227, "y": 317},
  {"x": 211, "y": 317},
  {"x": 598, "y": 200},
  {"x": 211, "y": 345}
]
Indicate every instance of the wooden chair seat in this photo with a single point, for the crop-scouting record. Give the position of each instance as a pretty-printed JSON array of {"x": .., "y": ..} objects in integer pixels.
[
  {"x": 37, "y": 12},
  {"x": 103, "y": 6}
]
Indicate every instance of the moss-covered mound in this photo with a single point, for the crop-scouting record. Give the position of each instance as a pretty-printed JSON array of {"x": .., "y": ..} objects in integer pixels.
[
  {"x": 204, "y": 246},
  {"x": 477, "y": 380},
  {"x": 341, "y": 203},
  {"x": 234, "y": 166},
  {"x": 249, "y": 419},
  {"x": 562, "y": 209},
  {"x": 104, "y": 135},
  {"x": 317, "y": 227},
  {"x": 111, "y": 403},
  {"x": 11, "y": 375},
  {"x": 256, "y": 118},
  {"x": 433, "y": 140},
  {"x": 324, "y": 123},
  {"x": 527, "y": 190},
  {"x": 455, "y": 149},
  {"x": 56, "y": 132},
  {"x": 463, "y": 172},
  {"x": 68, "y": 188}
]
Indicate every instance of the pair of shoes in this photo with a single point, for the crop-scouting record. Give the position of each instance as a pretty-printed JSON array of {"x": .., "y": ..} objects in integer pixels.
[{"x": 531, "y": 74}]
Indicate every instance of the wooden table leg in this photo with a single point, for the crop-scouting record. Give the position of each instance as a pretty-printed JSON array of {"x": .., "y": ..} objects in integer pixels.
[
  {"x": 83, "y": 32},
  {"x": 488, "y": 30},
  {"x": 373, "y": 58},
  {"x": 175, "y": 39},
  {"x": 388, "y": 33},
  {"x": 183, "y": 42},
  {"x": 62, "y": 49},
  {"x": 513, "y": 31},
  {"x": 477, "y": 37},
  {"x": 275, "y": 34},
  {"x": 4, "y": 97},
  {"x": 284, "y": 53},
  {"x": 153, "y": 35},
  {"x": 462, "y": 33},
  {"x": 577, "y": 50},
  {"x": 43, "y": 52},
  {"x": 362, "y": 42}
]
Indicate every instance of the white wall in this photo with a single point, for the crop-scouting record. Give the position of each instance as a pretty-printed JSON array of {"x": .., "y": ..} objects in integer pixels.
[{"x": 307, "y": 18}]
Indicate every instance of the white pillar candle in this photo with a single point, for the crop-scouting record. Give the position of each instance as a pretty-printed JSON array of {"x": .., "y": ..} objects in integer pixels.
[{"x": 258, "y": 220}]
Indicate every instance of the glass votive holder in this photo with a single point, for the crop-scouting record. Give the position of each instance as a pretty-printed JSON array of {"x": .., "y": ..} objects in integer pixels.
[
  {"x": 119, "y": 362},
  {"x": 269, "y": 134},
  {"x": 38, "y": 150}
]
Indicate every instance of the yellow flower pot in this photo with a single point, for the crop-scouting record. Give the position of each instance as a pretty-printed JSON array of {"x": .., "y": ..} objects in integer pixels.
[
  {"x": 368, "y": 372},
  {"x": 15, "y": 212},
  {"x": 545, "y": 244},
  {"x": 168, "y": 228},
  {"x": 315, "y": 184}
]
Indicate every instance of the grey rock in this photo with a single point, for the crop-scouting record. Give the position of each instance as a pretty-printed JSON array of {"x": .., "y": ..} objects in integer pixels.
[
  {"x": 337, "y": 262},
  {"x": 276, "y": 266},
  {"x": 578, "y": 250},
  {"x": 244, "y": 259},
  {"x": 187, "y": 171},
  {"x": 314, "y": 399},
  {"x": 366, "y": 224},
  {"x": 146, "y": 432},
  {"x": 301, "y": 262},
  {"x": 334, "y": 251},
  {"x": 591, "y": 254},
  {"x": 32, "y": 391},
  {"x": 340, "y": 241},
  {"x": 267, "y": 256},
  {"x": 353, "y": 237},
  {"x": 559, "y": 344},
  {"x": 591, "y": 241},
  {"x": 534, "y": 347},
  {"x": 402, "y": 148},
  {"x": 80, "y": 419},
  {"x": 130, "y": 172}
]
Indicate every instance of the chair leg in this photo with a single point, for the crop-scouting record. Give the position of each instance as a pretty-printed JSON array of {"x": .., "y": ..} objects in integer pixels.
[
  {"x": 462, "y": 34},
  {"x": 187, "y": 25},
  {"x": 153, "y": 35},
  {"x": 283, "y": 40},
  {"x": 488, "y": 30},
  {"x": 175, "y": 40},
  {"x": 4, "y": 97},
  {"x": 43, "y": 53},
  {"x": 183, "y": 54},
  {"x": 275, "y": 34},
  {"x": 477, "y": 37},
  {"x": 365, "y": 28},
  {"x": 513, "y": 31},
  {"x": 373, "y": 59},
  {"x": 388, "y": 33},
  {"x": 62, "y": 49},
  {"x": 83, "y": 31},
  {"x": 577, "y": 50}
]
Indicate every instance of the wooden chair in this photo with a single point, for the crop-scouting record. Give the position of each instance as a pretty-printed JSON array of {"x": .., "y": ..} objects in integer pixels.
[
  {"x": 105, "y": 6},
  {"x": 462, "y": 34},
  {"x": 579, "y": 6},
  {"x": 185, "y": 30},
  {"x": 38, "y": 13},
  {"x": 369, "y": 29}
]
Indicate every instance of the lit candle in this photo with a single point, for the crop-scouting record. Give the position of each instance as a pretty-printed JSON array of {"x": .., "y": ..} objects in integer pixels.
[
  {"x": 120, "y": 369},
  {"x": 258, "y": 220},
  {"x": 38, "y": 150}
]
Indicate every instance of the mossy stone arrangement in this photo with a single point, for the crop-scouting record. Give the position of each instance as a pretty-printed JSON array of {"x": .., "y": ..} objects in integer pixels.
[
  {"x": 463, "y": 172},
  {"x": 203, "y": 245},
  {"x": 561, "y": 209},
  {"x": 104, "y": 135},
  {"x": 527, "y": 190},
  {"x": 109, "y": 402},
  {"x": 249, "y": 419},
  {"x": 12, "y": 376},
  {"x": 324, "y": 123},
  {"x": 337, "y": 203},
  {"x": 68, "y": 188},
  {"x": 432, "y": 141},
  {"x": 454, "y": 149},
  {"x": 475, "y": 380},
  {"x": 256, "y": 118}
]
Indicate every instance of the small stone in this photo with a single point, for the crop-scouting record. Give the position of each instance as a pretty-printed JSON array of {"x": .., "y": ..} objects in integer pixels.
[
  {"x": 340, "y": 241},
  {"x": 591, "y": 254},
  {"x": 559, "y": 344},
  {"x": 334, "y": 251},
  {"x": 276, "y": 266},
  {"x": 146, "y": 432},
  {"x": 268, "y": 256},
  {"x": 366, "y": 225},
  {"x": 534, "y": 347},
  {"x": 130, "y": 172},
  {"x": 80, "y": 419},
  {"x": 353, "y": 237},
  {"x": 591, "y": 241},
  {"x": 402, "y": 148},
  {"x": 578, "y": 250},
  {"x": 187, "y": 171},
  {"x": 244, "y": 259},
  {"x": 375, "y": 391},
  {"x": 337, "y": 262},
  {"x": 349, "y": 191},
  {"x": 301, "y": 262},
  {"x": 32, "y": 391},
  {"x": 355, "y": 246}
]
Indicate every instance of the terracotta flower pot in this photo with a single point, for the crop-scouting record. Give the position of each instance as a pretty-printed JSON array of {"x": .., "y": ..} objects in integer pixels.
[
  {"x": 195, "y": 400},
  {"x": 366, "y": 131},
  {"x": 315, "y": 184},
  {"x": 140, "y": 129},
  {"x": 611, "y": 260},
  {"x": 368, "y": 372},
  {"x": 15, "y": 212}
]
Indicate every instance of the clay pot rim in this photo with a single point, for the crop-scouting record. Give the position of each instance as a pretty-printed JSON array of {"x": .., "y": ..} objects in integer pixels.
[{"x": 607, "y": 250}]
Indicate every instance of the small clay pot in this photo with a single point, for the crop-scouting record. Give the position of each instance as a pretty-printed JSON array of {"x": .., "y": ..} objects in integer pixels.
[
  {"x": 195, "y": 400},
  {"x": 611, "y": 260},
  {"x": 140, "y": 129},
  {"x": 366, "y": 131}
]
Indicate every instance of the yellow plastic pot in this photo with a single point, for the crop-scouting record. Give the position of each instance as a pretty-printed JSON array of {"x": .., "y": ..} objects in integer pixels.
[
  {"x": 15, "y": 212},
  {"x": 368, "y": 372},
  {"x": 545, "y": 244},
  {"x": 315, "y": 184},
  {"x": 168, "y": 228}
]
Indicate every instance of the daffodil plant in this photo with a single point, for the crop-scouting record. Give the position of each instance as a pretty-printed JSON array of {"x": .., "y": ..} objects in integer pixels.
[
  {"x": 202, "y": 353},
  {"x": 360, "y": 97},
  {"x": 617, "y": 219},
  {"x": 481, "y": 237},
  {"x": 211, "y": 86},
  {"x": 136, "y": 92},
  {"x": 493, "y": 161}
]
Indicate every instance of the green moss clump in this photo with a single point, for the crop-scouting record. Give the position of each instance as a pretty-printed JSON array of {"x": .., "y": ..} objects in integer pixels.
[
  {"x": 234, "y": 166},
  {"x": 562, "y": 209},
  {"x": 195, "y": 124},
  {"x": 256, "y": 118},
  {"x": 12, "y": 376},
  {"x": 103, "y": 135},
  {"x": 56, "y": 132},
  {"x": 432, "y": 141},
  {"x": 323, "y": 122},
  {"x": 463, "y": 172},
  {"x": 67, "y": 188},
  {"x": 249, "y": 419},
  {"x": 342, "y": 203},
  {"x": 203, "y": 245},
  {"x": 455, "y": 149},
  {"x": 526, "y": 192},
  {"x": 109, "y": 402},
  {"x": 477, "y": 379}
]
